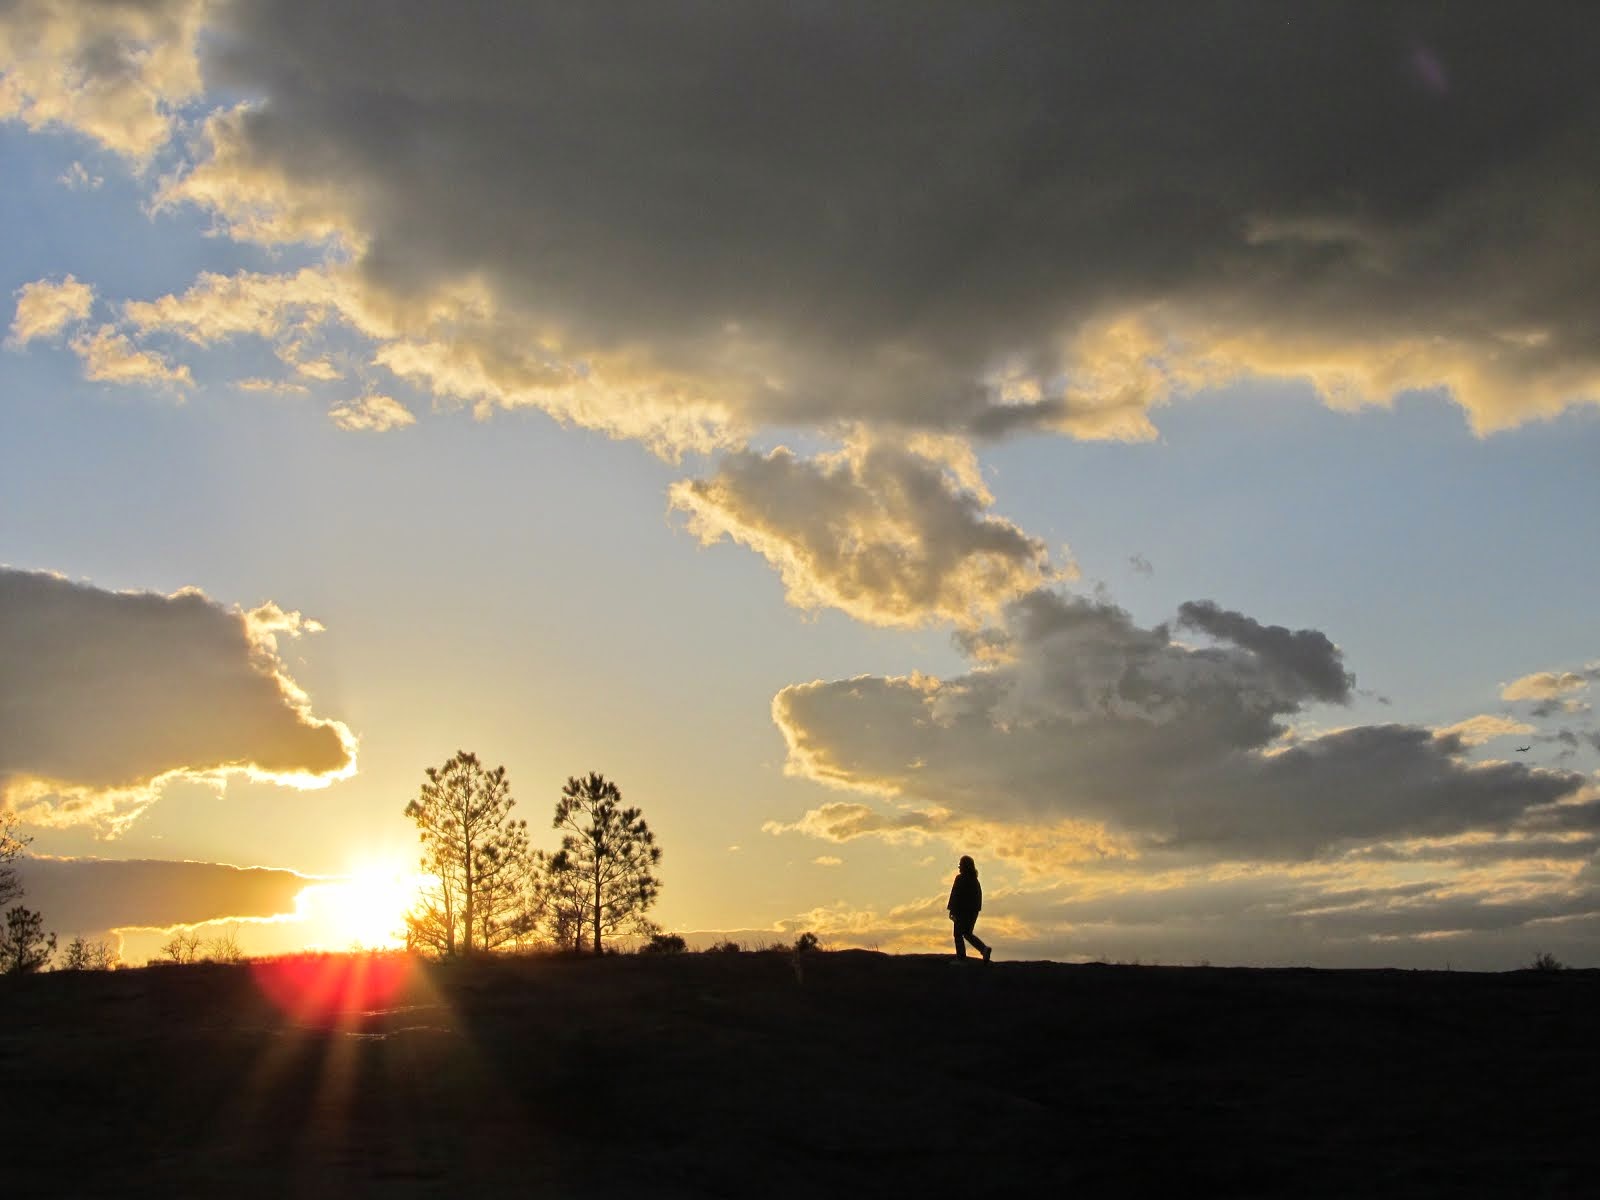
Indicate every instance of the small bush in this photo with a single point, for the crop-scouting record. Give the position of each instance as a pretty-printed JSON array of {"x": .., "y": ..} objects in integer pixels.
[
  {"x": 806, "y": 942},
  {"x": 1545, "y": 961},
  {"x": 728, "y": 947},
  {"x": 84, "y": 955},
  {"x": 183, "y": 948},
  {"x": 664, "y": 943}
]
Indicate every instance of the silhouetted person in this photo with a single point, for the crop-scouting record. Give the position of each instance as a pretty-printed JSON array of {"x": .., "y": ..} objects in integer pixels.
[{"x": 966, "y": 902}]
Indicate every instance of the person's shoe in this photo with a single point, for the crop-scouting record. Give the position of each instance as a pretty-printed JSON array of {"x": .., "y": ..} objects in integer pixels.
[{"x": 987, "y": 951}]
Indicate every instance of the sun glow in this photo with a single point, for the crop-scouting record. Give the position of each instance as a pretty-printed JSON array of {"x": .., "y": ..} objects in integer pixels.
[{"x": 367, "y": 907}]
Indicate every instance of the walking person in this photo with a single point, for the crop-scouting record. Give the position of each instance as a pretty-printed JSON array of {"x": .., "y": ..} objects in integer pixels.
[{"x": 966, "y": 902}]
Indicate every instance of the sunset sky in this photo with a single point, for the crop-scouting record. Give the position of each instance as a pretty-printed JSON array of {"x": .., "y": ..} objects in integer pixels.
[{"x": 1152, "y": 450}]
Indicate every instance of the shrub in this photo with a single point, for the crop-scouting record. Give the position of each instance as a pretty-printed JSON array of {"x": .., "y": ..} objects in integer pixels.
[
  {"x": 806, "y": 942},
  {"x": 224, "y": 948},
  {"x": 1545, "y": 961},
  {"x": 664, "y": 943},
  {"x": 183, "y": 948},
  {"x": 84, "y": 955},
  {"x": 728, "y": 947}
]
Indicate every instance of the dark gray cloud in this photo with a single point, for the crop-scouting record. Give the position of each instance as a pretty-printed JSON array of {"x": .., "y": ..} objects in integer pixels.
[
  {"x": 1305, "y": 655},
  {"x": 1083, "y": 715},
  {"x": 93, "y": 895},
  {"x": 960, "y": 216},
  {"x": 103, "y": 692}
]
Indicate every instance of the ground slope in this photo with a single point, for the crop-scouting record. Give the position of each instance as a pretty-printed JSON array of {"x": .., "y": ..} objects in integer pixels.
[{"x": 847, "y": 1074}]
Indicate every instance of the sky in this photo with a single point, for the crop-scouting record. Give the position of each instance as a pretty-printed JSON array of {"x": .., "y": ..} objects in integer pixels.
[{"x": 1152, "y": 452}]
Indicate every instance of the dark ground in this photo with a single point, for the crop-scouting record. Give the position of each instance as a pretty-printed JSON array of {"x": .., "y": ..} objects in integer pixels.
[{"x": 772, "y": 1075}]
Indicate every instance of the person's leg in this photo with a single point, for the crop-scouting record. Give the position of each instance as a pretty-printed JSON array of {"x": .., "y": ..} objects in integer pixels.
[{"x": 963, "y": 931}]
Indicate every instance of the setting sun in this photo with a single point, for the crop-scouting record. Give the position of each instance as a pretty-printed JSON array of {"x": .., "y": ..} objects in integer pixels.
[{"x": 366, "y": 908}]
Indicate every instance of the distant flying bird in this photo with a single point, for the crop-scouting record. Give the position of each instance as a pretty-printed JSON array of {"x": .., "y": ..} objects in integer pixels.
[{"x": 1523, "y": 749}]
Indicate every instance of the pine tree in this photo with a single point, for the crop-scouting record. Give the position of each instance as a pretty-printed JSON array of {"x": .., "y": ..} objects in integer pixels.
[
  {"x": 602, "y": 878},
  {"x": 477, "y": 858},
  {"x": 24, "y": 945}
]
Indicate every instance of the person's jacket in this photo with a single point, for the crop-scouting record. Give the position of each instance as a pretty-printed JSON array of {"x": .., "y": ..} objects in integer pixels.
[{"x": 966, "y": 896}]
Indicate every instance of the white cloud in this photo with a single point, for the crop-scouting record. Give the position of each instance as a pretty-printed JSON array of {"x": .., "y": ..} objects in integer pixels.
[
  {"x": 77, "y": 178},
  {"x": 45, "y": 307}
]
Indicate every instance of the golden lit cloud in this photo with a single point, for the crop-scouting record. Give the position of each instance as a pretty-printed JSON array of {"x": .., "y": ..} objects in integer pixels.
[
  {"x": 1475, "y": 731},
  {"x": 115, "y": 72},
  {"x": 372, "y": 414},
  {"x": 110, "y": 357},
  {"x": 46, "y": 307},
  {"x": 891, "y": 534},
  {"x": 116, "y": 693},
  {"x": 1549, "y": 685}
]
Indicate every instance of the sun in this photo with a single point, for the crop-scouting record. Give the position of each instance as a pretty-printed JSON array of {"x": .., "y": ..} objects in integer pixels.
[{"x": 367, "y": 908}]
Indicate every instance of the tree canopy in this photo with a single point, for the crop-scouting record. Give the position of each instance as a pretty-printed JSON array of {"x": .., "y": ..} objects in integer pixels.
[
  {"x": 603, "y": 877},
  {"x": 476, "y": 857}
]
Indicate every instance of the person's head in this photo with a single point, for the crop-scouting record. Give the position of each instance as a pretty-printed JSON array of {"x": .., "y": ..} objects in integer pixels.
[{"x": 968, "y": 867}]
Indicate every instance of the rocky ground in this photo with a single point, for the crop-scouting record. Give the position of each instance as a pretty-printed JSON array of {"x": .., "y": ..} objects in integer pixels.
[{"x": 773, "y": 1074}]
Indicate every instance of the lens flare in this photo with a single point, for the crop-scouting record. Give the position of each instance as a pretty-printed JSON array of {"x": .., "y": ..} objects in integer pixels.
[{"x": 333, "y": 988}]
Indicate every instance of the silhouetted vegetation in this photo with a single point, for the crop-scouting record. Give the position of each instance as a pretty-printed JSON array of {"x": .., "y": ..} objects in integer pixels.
[
  {"x": 483, "y": 891},
  {"x": 224, "y": 947},
  {"x": 11, "y": 848},
  {"x": 806, "y": 942},
  {"x": 603, "y": 878},
  {"x": 664, "y": 943},
  {"x": 182, "y": 947},
  {"x": 1545, "y": 961},
  {"x": 84, "y": 955},
  {"x": 728, "y": 947},
  {"x": 24, "y": 945}
]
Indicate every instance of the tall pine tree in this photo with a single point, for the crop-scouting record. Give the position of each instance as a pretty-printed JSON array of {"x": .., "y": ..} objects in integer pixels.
[{"x": 602, "y": 879}]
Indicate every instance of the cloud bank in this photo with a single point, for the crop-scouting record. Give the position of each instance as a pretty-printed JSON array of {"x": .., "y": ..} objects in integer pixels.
[
  {"x": 107, "y": 693},
  {"x": 1078, "y": 713},
  {"x": 684, "y": 222},
  {"x": 93, "y": 895}
]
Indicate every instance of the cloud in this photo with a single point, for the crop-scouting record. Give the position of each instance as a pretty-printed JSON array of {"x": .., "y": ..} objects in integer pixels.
[
  {"x": 77, "y": 178},
  {"x": 828, "y": 860},
  {"x": 94, "y": 895},
  {"x": 1475, "y": 731},
  {"x": 46, "y": 307},
  {"x": 1305, "y": 656},
  {"x": 892, "y": 535},
  {"x": 109, "y": 357},
  {"x": 1549, "y": 685},
  {"x": 110, "y": 693},
  {"x": 372, "y": 414},
  {"x": 1078, "y": 714},
  {"x": 113, "y": 71},
  {"x": 986, "y": 220}
]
